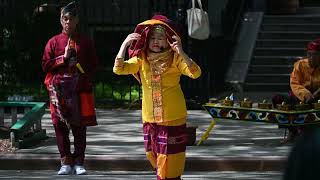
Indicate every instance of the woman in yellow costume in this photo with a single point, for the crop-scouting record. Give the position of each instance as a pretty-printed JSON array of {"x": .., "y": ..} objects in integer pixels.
[{"x": 157, "y": 60}]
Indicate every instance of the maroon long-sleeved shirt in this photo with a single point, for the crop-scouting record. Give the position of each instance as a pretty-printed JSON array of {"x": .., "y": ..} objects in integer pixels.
[
  {"x": 53, "y": 61},
  {"x": 53, "y": 64}
]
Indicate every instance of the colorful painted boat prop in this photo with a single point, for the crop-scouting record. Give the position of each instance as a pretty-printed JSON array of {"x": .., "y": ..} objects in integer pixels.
[{"x": 283, "y": 114}]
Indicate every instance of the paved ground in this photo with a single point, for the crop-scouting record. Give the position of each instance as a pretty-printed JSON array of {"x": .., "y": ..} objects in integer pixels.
[
  {"x": 234, "y": 150},
  {"x": 116, "y": 144},
  {"x": 141, "y": 175}
]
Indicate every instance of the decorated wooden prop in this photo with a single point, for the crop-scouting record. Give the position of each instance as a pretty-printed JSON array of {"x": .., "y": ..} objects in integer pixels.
[{"x": 283, "y": 114}]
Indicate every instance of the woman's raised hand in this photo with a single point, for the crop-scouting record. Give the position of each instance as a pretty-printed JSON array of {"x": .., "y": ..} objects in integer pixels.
[
  {"x": 176, "y": 45},
  {"x": 127, "y": 42},
  {"x": 130, "y": 38}
]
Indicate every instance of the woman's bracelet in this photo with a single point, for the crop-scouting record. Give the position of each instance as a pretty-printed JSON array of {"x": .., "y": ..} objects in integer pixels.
[{"x": 119, "y": 62}]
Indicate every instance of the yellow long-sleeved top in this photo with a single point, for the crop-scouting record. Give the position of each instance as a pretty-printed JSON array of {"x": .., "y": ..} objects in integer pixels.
[
  {"x": 304, "y": 80},
  {"x": 173, "y": 102}
]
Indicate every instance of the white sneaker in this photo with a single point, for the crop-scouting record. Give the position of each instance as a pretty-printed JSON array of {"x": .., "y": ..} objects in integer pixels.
[
  {"x": 65, "y": 170},
  {"x": 80, "y": 170}
]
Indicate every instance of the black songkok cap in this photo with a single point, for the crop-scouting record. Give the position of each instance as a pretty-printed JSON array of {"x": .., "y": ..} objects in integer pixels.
[{"x": 70, "y": 8}]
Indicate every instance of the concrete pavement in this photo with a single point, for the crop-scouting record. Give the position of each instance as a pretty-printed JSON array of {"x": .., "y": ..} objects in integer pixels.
[
  {"x": 140, "y": 175},
  {"x": 116, "y": 144}
]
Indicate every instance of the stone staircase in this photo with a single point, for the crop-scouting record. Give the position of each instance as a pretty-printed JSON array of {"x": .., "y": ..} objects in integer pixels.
[{"x": 281, "y": 41}]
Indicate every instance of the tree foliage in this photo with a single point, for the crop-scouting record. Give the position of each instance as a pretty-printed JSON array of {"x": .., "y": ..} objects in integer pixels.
[{"x": 25, "y": 28}]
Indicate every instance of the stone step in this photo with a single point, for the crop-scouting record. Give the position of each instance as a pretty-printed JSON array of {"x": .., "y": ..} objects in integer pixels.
[
  {"x": 282, "y": 43},
  {"x": 288, "y": 35},
  {"x": 266, "y": 87},
  {"x": 269, "y": 51},
  {"x": 298, "y": 19},
  {"x": 270, "y": 69},
  {"x": 274, "y": 60},
  {"x": 290, "y": 27},
  {"x": 282, "y": 40},
  {"x": 268, "y": 78}
]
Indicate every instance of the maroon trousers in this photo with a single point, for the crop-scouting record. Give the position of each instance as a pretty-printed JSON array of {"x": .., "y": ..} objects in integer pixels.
[{"x": 63, "y": 142}]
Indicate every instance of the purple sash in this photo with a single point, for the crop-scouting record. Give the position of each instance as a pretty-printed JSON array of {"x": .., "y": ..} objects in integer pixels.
[{"x": 65, "y": 98}]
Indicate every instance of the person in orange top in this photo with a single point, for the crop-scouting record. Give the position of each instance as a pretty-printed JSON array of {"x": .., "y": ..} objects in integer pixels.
[
  {"x": 157, "y": 60},
  {"x": 304, "y": 83},
  {"x": 305, "y": 77}
]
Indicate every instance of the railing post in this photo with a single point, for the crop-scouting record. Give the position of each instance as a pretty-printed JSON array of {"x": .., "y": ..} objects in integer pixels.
[
  {"x": 13, "y": 140},
  {"x": 1, "y": 116},
  {"x": 14, "y": 115}
]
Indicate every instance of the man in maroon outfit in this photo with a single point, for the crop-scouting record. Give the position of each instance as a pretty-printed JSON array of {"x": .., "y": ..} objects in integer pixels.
[{"x": 69, "y": 61}]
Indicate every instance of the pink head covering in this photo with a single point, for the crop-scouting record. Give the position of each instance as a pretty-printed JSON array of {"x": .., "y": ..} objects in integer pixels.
[
  {"x": 144, "y": 28},
  {"x": 314, "y": 45}
]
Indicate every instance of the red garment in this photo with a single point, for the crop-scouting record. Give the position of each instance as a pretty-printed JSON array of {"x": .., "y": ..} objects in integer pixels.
[
  {"x": 144, "y": 28},
  {"x": 314, "y": 45},
  {"x": 54, "y": 64},
  {"x": 63, "y": 143}
]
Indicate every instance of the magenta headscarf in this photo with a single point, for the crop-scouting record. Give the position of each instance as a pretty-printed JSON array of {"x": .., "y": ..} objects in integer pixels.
[
  {"x": 314, "y": 45},
  {"x": 144, "y": 28}
]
